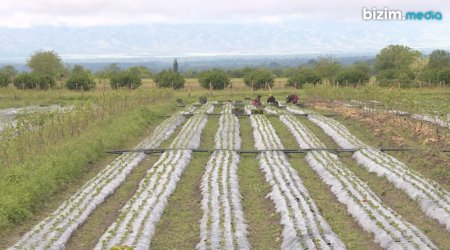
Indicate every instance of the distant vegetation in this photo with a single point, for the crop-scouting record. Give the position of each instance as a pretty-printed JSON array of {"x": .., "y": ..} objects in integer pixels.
[{"x": 394, "y": 65}]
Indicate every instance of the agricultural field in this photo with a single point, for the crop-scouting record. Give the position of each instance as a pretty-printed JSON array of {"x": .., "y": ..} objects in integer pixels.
[{"x": 347, "y": 168}]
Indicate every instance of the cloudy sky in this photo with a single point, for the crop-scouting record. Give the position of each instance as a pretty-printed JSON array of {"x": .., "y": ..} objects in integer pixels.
[{"x": 155, "y": 28}]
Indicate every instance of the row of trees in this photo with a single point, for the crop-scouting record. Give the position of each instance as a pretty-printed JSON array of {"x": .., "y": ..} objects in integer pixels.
[{"x": 393, "y": 65}]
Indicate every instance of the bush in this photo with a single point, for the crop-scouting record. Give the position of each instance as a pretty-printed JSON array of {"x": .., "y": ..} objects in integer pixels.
[
  {"x": 217, "y": 77},
  {"x": 259, "y": 78},
  {"x": 303, "y": 76},
  {"x": 169, "y": 79},
  {"x": 126, "y": 79},
  {"x": 352, "y": 76},
  {"x": 444, "y": 75},
  {"x": 429, "y": 76},
  {"x": 80, "y": 79},
  {"x": 4, "y": 81},
  {"x": 30, "y": 80},
  {"x": 393, "y": 77}
]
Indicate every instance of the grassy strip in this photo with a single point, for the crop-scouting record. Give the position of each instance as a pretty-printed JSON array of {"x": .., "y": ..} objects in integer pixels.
[
  {"x": 335, "y": 213},
  {"x": 27, "y": 186},
  {"x": 263, "y": 222},
  {"x": 179, "y": 225}
]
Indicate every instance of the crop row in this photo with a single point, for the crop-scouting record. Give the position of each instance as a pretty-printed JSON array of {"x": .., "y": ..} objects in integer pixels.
[
  {"x": 222, "y": 224},
  {"x": 433, "y": 199},
  {"x": 391, "y": 231},
  {"x": 54, "y": 231},
  {"x": 303, "y": 226},
  {"x": 136, "y": 223}
]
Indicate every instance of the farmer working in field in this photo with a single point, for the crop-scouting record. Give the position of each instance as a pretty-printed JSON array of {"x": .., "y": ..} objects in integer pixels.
[
  {"x": 257, "y": 101},
  {"x": 292, "y": 98},
  {"x": 271, "y": 100}
]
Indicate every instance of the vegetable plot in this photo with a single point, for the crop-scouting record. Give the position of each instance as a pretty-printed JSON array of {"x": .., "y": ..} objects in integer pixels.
[
  {"x": 304, "y": 227},
  {"x": 222, "y": 225},
  {"x": 433, "y": 199},
  {"x": 388, "y": 227},
  {"x": 135, "y": 225},
  {"x": 55, "y": 231}
]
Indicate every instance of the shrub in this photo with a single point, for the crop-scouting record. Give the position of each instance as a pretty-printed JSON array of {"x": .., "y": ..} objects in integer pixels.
[
  {"x": 303, "y": 76},
  {"x": 259, "y": 78},
  {"x": 352, "y": 76},
  {"x": 30, "y": 80},
  {"x": 126, "y": 79},
  {"x": 444, "y": 75},
  {"x": 217, "y": 77},
  {"x": 80, "y": 79},
  {"x": 4, "y": 80},
  {"x": 169, "y": 79}
]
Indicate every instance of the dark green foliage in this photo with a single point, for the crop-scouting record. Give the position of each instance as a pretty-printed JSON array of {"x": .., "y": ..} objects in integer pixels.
[
  {"x": 4, "y": 81},
  {"x": 259, "y": 78},
  {"x": 9, "y": 71},
  {"x": 31, "y": 81},
  {"x": 396, "y": 77},
  {"x": 303, "y": 76},
  {"x": 217, "y": 77},
  {"x": 429, "y": 76},
  {"x": 175, "y": 66},
  {"x": 169, "y": 79},
  {"x": 80, "y": 79},
  {"x": 444, "y": 75},
  {"x": 352, "y": 76},
  {"x": 130, "y": 78},
  {"x": 439, "y": 59}
]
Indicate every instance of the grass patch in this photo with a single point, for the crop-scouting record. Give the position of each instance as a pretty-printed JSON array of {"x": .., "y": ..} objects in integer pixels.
[
  {"x": 263, "y": 222},
  {"x": 24, "y": 188}
]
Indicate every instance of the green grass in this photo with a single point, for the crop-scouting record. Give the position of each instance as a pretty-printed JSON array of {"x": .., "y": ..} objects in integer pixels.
[
  {"x": 24, "y": 187},
  {"x": 264, "y": 228}
]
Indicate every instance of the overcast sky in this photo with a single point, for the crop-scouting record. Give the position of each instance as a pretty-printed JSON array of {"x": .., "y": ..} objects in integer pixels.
[{"x": 25, "y": 19}]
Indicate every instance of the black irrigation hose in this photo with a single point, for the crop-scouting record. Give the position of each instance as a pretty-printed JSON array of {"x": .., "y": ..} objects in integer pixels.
[
  {"x": 287, "y": 151},
  {"x": 242, "y": 115}
]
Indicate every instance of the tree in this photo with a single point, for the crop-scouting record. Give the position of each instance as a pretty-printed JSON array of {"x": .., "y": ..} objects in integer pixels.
[
  {"x": 302, "y": 76},
  {"x": 175, "y": 66},
  {"x": 31, "y": 80},
  {"x": 397, "y": 57},
  {"x": 397, "y": 64},
  {"x": 45, "y": 63},
  {"x": 258, "y": 78},
  {"x": 169, "y": 79},
  {"x": 217, "y": 77},
  {"x": 130, "y": 78},
  {"x": 80, "y": 78},
  {"x": 327, "y": 67},
  {"x": 439, "y": 59},
  {"x": 4, "y": 81},
  {"x": 9, "y": 71},
  {"x": 352, "y": 75}
]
